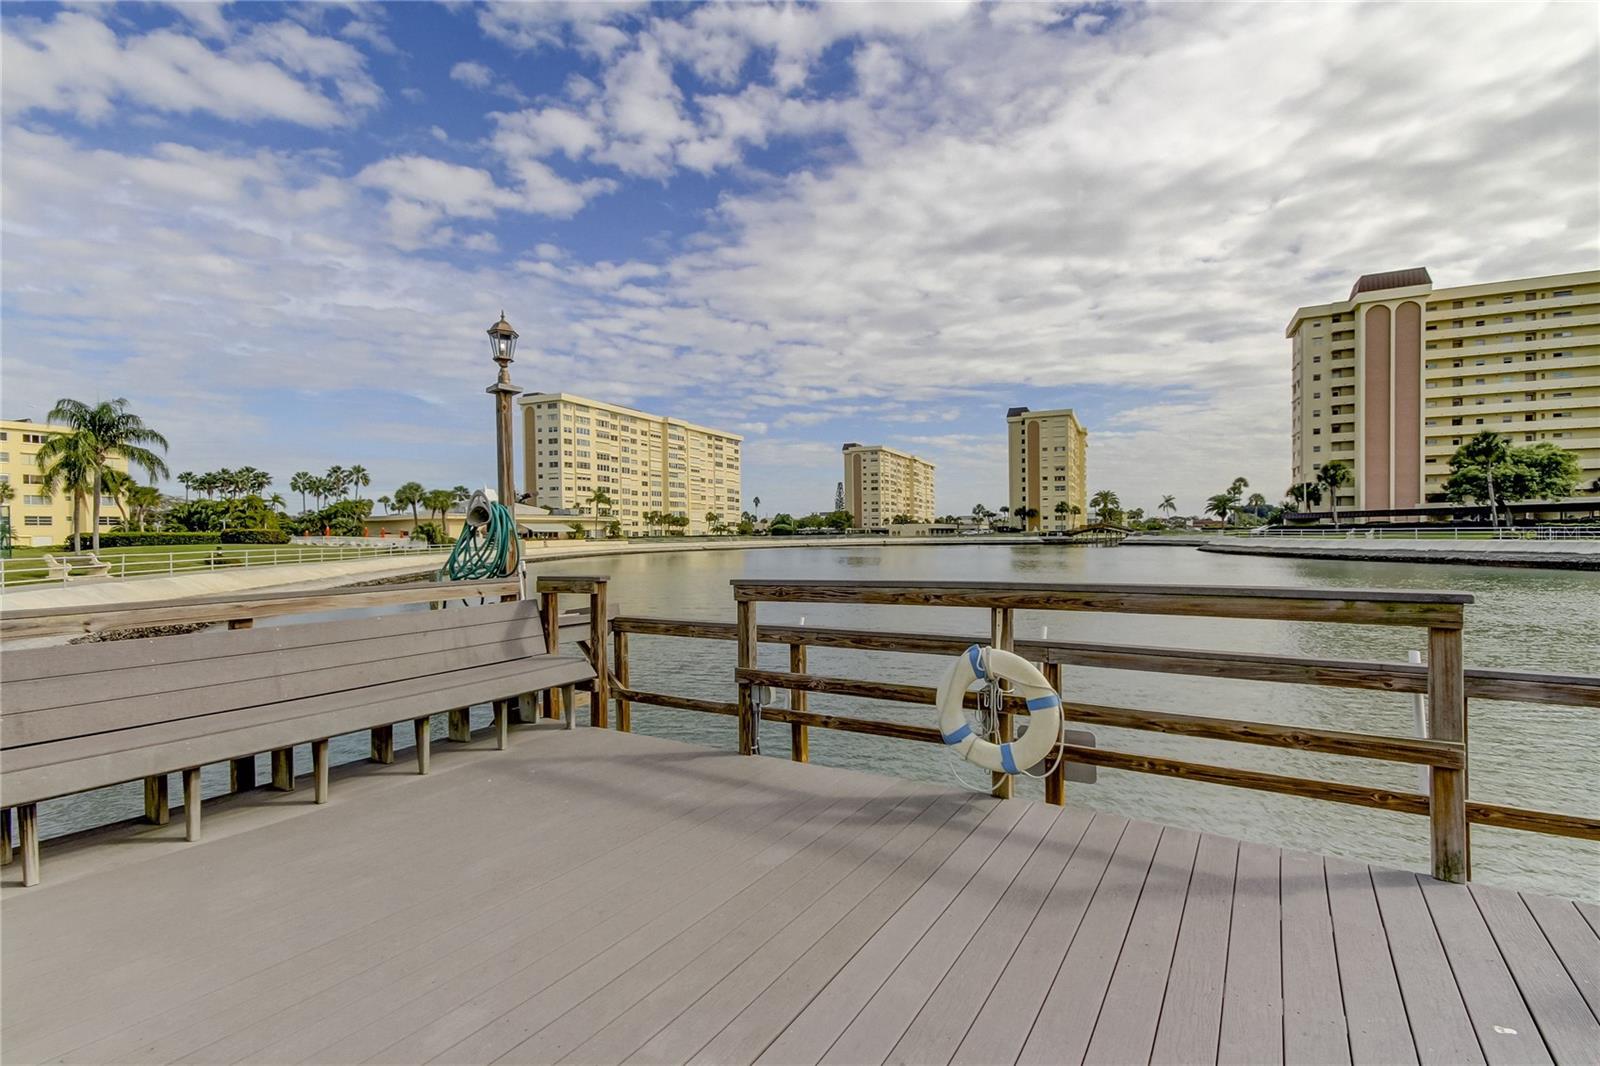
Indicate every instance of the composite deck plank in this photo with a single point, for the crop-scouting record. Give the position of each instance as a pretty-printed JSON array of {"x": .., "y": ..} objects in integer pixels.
[
  {"x": 1591, "y": 914},
  {"x": 1375, "y": 1012},
  {"x": 1126, "y": 1028},
  {"x": 1441, "y": 1029},
  {"x": 1066, "y": 1020},
  {"x": 1574, "y": 940},
  {"x": 1506, "y": 1031},
  {"x": 824, "y": 1019},
  {"x": 280, "y": 940},
  {"x": 1191, "y": 1013},
  {"x": 511, "y": 978},
  {"x": 1003, "y": 1022},
  {"x": 873, "y": 1033},
  {"x": 596, "y": 897},
  {"x": 1252, "y": 990},
  {"x": 1568, "y": 1026},
  {"x": 774, "y": 897},
  {"x": 943, "y": 1020},
  {"x": 794, "y": 959},
  {"x": 876, "y": 848},
  {"x": 753, "y": 1028},
  {"x": 1314, "y": 1027},
  {"x": 560, "y": 905}
]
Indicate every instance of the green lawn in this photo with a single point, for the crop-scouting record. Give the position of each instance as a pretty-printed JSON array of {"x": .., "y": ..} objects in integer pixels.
[{"x": 26, "y": 566}]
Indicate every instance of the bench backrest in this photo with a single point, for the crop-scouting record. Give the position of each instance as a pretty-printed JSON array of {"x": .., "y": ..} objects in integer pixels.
[{"x": 59, "y": 693}]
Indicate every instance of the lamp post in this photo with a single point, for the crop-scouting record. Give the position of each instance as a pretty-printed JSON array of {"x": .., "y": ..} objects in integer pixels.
[{"x": 502, "y": 343}]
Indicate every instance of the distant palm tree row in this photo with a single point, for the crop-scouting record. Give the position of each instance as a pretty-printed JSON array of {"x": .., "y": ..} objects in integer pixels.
[
  {"x": 231, "y": 484},
  {"x": 337, "y": 484}
]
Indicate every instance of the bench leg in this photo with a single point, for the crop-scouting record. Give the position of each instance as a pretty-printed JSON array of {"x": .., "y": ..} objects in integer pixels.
[
  {"x": 423, "y": 728},
  {"x": 383, "y": 744},
  {"x": 191, "y": 803},
  {"x": 242, "y": 774},
  {"x": 5, "y": 837},
  {"x": 156, "y": 807},
  {"x": 569, "y": 705},
  {"x": 28, "y": 830},
  {"x": 319, "y": 763},
  {"x": 461, "y": 725},
  {"x": 283, "y": 769},
  {"x": 502, "y": 724},
  {"x": 527, "y": 709}
]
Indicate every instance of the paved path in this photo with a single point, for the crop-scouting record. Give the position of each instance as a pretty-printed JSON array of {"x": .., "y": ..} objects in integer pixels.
[{"x": 597, "y": 897}]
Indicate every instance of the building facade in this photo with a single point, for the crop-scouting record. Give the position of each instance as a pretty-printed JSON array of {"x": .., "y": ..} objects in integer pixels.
[
  {"x": 1048, "y": 456},
  {"x": 883, "y": 483},
  {"x": 1393, "y": 379},
  {"x": 644, "y": 462},
  {"x": 37, "y": 517}
]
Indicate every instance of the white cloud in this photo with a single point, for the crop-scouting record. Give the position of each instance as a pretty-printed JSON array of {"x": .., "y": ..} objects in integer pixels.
[
  {"x": 76, "y": 63},
  {"x": 471, "y": 72}
]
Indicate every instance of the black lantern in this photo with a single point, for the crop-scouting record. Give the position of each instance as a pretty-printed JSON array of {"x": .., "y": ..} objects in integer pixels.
[{"x": 502, "y": 340}]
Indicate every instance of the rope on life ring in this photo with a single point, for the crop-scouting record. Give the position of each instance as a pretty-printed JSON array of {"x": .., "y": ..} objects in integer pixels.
[{"x": 1044, "y": 710}]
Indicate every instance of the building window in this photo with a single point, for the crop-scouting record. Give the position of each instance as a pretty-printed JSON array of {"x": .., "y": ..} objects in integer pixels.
[
  {"x": 38, "y": 520},
  {"x": 33, "y": 438}
]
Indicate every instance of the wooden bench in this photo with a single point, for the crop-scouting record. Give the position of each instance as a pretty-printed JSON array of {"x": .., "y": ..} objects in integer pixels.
[
  {"x": 83, "y": 717},
  {"x": 62, "y": 566}
]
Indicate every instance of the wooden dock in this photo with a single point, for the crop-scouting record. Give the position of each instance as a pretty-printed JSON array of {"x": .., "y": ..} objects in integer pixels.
[{"x": 594, "y": 896}]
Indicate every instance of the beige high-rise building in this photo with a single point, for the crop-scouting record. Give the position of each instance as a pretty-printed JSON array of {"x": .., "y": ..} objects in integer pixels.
[
  {"x": 881, "y": 483},
  {"x": 1048, "y": 455},
  {"x": 1393, "y": 379},
  {"x": 644, "y": 462},
  {"x": 38, "y": 517}
]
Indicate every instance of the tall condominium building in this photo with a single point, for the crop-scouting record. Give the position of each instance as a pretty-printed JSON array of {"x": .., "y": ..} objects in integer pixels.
[
  {"x": 573, "y": 446},
  {"x": 881, "y": 483},
  {"x": 1048, "y": 454},
  {"x": 1392, "y": 380},
  {"x": 37, "y": 517}
]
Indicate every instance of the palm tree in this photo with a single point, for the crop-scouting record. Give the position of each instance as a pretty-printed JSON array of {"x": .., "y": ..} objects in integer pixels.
[
  {"x": 386, "y": 502},
  {"x": 410, "y": 495},
  {"x": 110, "y": 431},
  {"x": 359, "y": 477},
  {"x": 7, "y": 493},
  {"x": 755, "y": 505},
  {"x": 1333, "y": 477},
  {"x": 1221, "y": 505},
  {"x": 186, "y": 479},
  {"x": 338, "y": 479},
  {"x": 1106, "y": 502},
  {"x": 600, "y": 498},
  {"x": 1062, "y": 511},
  {"x": 66, "y": 462},
  {"x": 463, "y": 494},
  {"x": 1167, "y": 506},
  {"x": 301, "y": 483},
  {"x": 439, "y": 501}
]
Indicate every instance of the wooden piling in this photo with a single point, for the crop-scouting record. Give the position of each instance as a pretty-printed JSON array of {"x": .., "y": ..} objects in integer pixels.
[
  {"x": 1447, "y": 721},
  {"x": 745, "y": 623},
  {"x": 1055, "y": 782},
  {"x": 799, "y": 732},
  {"x": 620, "y": 669},
  {"x": 1000, "y": 628},
  {"x": 461, "y": 725},
  {"x": 242, "y": 773},
  {"x": 383, "y": 744},
  {"x": 157, "y": 808},
  {"x": 283, "y": 769}
]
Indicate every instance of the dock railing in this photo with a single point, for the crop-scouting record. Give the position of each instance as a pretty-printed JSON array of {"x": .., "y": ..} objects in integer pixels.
[{"x": 1443, "y": 678}]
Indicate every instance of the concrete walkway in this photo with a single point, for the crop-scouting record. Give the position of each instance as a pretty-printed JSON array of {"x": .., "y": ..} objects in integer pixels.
[{"x": 1539, "y": 554}]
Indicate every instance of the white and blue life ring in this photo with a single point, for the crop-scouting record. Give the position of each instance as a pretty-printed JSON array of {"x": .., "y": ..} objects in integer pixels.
[{"x": 1044, "y": 710}]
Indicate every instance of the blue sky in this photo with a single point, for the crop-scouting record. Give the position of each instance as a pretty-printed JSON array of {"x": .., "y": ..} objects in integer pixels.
[{"x": 280, "y": 231}]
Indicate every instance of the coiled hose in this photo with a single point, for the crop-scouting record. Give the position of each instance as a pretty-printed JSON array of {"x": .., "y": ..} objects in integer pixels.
[{"x": 492, "y": 551}]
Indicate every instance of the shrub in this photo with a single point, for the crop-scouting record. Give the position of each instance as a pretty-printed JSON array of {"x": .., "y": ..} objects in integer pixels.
[
  {"x": 136, "y": 540},
  {"x": 779, "y": 530},
  {"x": 430, "y": 532},
  {"x": 253, "y": 536}
]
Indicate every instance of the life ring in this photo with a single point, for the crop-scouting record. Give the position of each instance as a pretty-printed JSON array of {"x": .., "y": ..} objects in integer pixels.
[{"x": 1044, "y": 707}]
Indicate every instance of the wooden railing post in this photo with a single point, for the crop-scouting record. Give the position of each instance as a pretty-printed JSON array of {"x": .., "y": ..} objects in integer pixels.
[
  {"x": 619, "y": 640},
  {"x": 600, "y": 697},
  {"x": 799, "y": 738},
  {"x": 550, "y": 609},
  {"x": 1055, "y": 782},
  {"x": 1447, "y": 720},
  {"x": 745, "y": 623},
  {"x": 1000, "y": 627}
]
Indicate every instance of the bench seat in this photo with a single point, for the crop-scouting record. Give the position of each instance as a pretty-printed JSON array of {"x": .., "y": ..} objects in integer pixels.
[{"x": 83, "y": 717}]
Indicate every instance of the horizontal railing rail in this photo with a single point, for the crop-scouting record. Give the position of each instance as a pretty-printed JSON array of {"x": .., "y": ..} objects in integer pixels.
[
  {"x": 32, "y": 569},
  {"x": 239, "y": 611},
  {"x": 1443, "y": 679}
]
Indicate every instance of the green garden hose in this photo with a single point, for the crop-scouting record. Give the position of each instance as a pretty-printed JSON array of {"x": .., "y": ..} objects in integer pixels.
[{"x": 491, "y": 550}]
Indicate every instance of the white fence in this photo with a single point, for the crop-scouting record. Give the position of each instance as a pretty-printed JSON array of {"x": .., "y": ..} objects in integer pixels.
[{"x": 126, "y": 564}]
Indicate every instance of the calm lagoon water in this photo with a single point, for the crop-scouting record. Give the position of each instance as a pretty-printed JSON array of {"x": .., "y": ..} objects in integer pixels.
[{"x": 1522, "y": 754}]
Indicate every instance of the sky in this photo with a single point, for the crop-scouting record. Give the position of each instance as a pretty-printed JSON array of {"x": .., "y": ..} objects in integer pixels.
[{"x": 281, "y": 231}]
